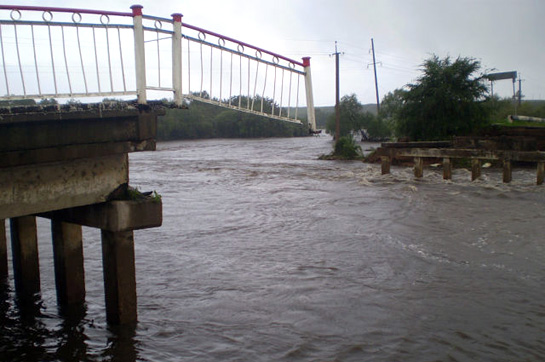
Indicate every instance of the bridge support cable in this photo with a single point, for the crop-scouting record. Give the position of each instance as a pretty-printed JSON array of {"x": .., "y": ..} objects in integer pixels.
[
  {"x": 80, "y": 58},
  {"x": 36, "y": 61},
  {"x": 109, "y": 58},
  {"x": 52, "y": 59},
  {"x": 121, "y": 59},
  {"x": 96, "y": 61},
  {"x": 66, "y": 61},
  {"x": 19, "y": 57},
  {"x": 4, "y": 61}
]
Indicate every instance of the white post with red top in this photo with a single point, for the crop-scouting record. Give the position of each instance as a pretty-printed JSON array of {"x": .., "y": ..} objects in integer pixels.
[
  {"x": 177, "y": 59},
  {"x": 139, "y": 54},
  {"x": 311, "y": 116}
]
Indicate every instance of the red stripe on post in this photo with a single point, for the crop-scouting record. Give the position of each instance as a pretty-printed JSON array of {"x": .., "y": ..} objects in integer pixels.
[
  {"x": 176, "y": 17},
  {"x": 137, "y": 10}
]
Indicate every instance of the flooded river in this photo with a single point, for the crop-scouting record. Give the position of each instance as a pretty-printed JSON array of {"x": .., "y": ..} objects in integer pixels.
[{"x": 267, "y": 254}]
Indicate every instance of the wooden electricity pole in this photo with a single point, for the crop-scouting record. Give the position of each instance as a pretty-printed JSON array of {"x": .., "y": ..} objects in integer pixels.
[
  {"x": 375, "y": 69},
  {"x": 337, "y": 96},
  {"x": 520, "y": 90}
]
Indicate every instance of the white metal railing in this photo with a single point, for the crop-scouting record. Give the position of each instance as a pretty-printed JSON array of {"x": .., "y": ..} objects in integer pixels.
[{"x": 59, "y": 52}]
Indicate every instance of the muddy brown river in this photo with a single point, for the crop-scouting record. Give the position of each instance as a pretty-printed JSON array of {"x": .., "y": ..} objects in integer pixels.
[{"x": 268, "y": 254}]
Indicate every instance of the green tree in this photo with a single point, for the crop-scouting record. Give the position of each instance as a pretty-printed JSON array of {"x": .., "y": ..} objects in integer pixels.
[
  {"x": 447, "y": 100},
  {"x": 350, "y": 111},
  {"x": 390, "y": 107},
  {"x": 354, "y": 118}
]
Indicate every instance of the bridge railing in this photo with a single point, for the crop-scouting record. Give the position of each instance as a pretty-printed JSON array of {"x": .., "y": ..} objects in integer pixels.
[{"x": 58, "y": 52}]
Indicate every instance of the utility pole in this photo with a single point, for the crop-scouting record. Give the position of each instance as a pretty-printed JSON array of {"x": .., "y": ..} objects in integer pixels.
[
  {"x": 337, "y": 96},
  {"x": 375, "y": 69},
  {"x": 520, "y": 90}
]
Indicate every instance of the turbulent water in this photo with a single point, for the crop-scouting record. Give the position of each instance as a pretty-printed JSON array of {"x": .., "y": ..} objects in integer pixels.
[{"x": 267, "y": 254}]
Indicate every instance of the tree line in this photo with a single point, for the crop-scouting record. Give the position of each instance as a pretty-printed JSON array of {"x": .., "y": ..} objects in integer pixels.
[
  {"x": 203, "y": 120},
  {"x": 450, "y": 98}
]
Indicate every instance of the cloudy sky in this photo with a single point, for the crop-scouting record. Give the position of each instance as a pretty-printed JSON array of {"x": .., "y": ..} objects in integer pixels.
[{"x": 504, "y": 35}]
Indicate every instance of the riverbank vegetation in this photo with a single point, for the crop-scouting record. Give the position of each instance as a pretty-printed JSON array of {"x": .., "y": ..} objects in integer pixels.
[
  {"x": 450, "y": 98},
  {"x": 345, "y": 148},
  {"x": 203, "y": 120}
]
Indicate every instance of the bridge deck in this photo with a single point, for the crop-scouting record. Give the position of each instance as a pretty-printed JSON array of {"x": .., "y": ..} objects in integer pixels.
[{"x": 55, "y": 157}]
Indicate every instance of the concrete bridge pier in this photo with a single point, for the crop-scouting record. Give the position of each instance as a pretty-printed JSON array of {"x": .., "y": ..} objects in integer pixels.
[
  {"x": 26, "y": 268},
  {"x": 418, "y": 167},
  {"x": 447, "y": 169},
  {"x": 540, "y": 172},
  {"x": 119, "y": 276},
  {"x": 68, "y": 263},
  {"x": 3, "y": 252},
  {"x": 117, "y": 221},
  {"x": 475, "y": 168}
]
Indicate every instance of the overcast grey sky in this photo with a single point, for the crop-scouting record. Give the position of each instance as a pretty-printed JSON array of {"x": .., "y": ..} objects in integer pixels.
[{"x": 504, "y": 35}]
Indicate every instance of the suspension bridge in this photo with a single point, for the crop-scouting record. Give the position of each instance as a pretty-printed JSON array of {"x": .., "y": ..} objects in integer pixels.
[
  {"x": 85, "y": 54},
  {"x": 68, "y": 162}
]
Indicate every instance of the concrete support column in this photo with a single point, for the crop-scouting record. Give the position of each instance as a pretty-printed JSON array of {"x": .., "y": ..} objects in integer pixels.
[
  {"x": 68, "y": 258},
  {"x": 3, "y": 251},
  {"x": 24, "y": 245},
  {"x": 447, "y": 169},
  {"x": 507, "y": 171},
  {"x": 540, "y": 172},
  {"x": 475, "y": 169},
  {"x": 418, "y": 167},
  {"x": 385, "y": 164},
  {"x": 119, "y": 276}
]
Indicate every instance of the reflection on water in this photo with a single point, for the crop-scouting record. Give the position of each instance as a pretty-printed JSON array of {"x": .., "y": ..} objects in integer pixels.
[
  {"x": 28, "y": 333},
  {"x": 266, "y": 253}
]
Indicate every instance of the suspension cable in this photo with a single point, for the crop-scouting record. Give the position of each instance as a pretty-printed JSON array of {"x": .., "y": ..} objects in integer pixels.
[
  {"x": 289, "y": 94},
  {"x": 297, "y": 97},
  {"x": 81, "y": 60},
  {"x": 35, "y": 60},
  {"x": 52, "y": 58},
  {"x": 264, "y": 87},
  {"x": 4, "y": 60},
  {"x": 66, "y": 60},
  {"x": 211, "y": 73},
  {"x": 274, "y": 91},
  {"x": 202, "y": 72},
  {"x": 121, "y": 59},
  {"x": 188, "y": 67},
  {"x": 281, "y": 95},
  {"x": 231, "y": 81},
  {"x": 19, "y": 58},
  {"x": 96, "y": 59}
]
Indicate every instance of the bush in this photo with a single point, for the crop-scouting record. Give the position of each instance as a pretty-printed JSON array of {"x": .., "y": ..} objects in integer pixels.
[{"x": 347, "y": 148}]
